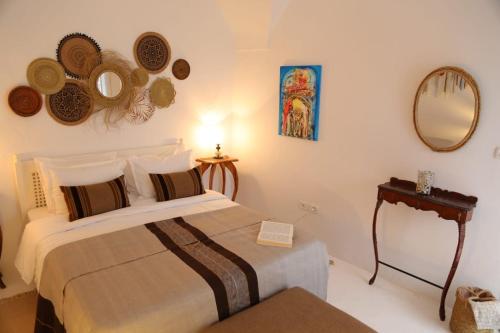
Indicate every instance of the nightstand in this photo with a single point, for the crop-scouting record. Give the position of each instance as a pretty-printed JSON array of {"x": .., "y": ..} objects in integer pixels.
[
  {"x": 2, "y": 285},
  {"x": 224, "y": 163}
]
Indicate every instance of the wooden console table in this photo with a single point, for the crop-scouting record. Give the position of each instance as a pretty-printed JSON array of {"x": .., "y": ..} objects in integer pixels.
[
  {"x": 2, "y": 285},
  {"x": 225, "y": 162},
  {"x": 449, "y": 206}
]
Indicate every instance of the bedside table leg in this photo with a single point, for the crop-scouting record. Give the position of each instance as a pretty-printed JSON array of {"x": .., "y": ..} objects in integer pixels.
[
  {"x": 211, "y": 179},
  {"x": 2, "y": 285},
  {"x": 223, "y": 169},
  {"x": 232, "y": 168}
]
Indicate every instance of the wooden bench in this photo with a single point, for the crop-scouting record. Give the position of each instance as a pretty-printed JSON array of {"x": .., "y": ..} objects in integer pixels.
[{"x": 292, "y": 311}]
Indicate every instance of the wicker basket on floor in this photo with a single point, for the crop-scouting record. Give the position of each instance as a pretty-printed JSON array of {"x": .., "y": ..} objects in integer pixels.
[{"x": 462, "y": 318}]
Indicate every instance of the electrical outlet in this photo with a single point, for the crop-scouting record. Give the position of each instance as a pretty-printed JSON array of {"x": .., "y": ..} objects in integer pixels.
[{"x": 308, "y": 207}]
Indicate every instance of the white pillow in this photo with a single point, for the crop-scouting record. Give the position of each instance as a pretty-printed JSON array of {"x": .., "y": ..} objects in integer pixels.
[
  {"x": 82, "y": 175},
  {"x": 45, "y": 164},
  {"x": 160, "y": 152},
  {"x": 143, "y": 166}
]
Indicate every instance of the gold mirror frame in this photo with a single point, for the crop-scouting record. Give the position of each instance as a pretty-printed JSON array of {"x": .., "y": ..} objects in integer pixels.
[
  {"x": 94, "y": 90},
  {"x": 470, "y": 80}
]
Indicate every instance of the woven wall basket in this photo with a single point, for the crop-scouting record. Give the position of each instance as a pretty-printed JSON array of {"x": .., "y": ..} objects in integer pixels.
[
  {"x": 152, "y": 52},
  {"x": 72, "y": 105},
  {"x": 462, "y": 318}
]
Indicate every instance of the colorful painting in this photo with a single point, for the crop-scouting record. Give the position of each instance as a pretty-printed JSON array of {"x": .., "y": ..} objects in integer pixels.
[{"x": 299, "y": 101}]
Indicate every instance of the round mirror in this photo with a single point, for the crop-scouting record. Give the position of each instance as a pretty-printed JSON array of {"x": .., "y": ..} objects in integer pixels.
[
  {"x": 446, "y": 109},
  {"x": 109, "y": 84}
]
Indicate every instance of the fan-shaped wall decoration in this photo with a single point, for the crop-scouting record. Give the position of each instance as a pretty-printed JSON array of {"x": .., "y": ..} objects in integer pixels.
[
  {"x": 162, "y": 92},
  {"x": 79, "y": 54},
  {"x": 25, "y": 101},
  {"x": 152, "y": 52},
  {"x": 72, "y": 105},
  {"x": 141, "y": 110},
  {"x": 46, "y": 76},
  {"x": 181, "y": 69}
]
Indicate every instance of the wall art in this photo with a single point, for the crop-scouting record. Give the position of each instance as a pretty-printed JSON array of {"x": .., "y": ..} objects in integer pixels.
[
  {"x": 46, "y": 76},
  {"x": 152, "y": 52},
  {"x": 181, "y": 69},
  {"x": 25, "y": 101},
  {"x": 299, "y": 101},
  {"x": 72, "y": 105},
  {"x": 79, "y": 54},
  {"x": 162, "y": 92}
]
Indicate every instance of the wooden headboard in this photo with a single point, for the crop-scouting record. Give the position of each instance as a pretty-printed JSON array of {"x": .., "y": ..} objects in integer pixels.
[{"x": 29, "y": 188}]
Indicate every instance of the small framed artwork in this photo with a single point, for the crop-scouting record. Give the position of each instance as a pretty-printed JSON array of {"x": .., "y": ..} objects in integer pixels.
[{"x": 300, "y": 88}]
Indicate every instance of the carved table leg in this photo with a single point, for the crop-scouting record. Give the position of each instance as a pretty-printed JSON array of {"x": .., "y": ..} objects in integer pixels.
[
  {"x": 204, "y": 167},
  {"x": 232, "y": 168},
  {"x": 2, "y": 285},
  {"x": 374, "y": 234},
  {"x": 223, "y": 169},
  {"x": 458, "y": 253},
  {"x": 211, "y": 179}
]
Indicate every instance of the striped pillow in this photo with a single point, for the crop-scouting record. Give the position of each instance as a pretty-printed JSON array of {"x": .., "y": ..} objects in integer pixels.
[
  {"x": 88, "y": 200},
  {"x": 177, "y": 185}
]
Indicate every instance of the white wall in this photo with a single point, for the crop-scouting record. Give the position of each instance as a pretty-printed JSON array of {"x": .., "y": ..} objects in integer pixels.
[
  {"x": 374, "y": 55},
  {"x": 29, "y": 29}
]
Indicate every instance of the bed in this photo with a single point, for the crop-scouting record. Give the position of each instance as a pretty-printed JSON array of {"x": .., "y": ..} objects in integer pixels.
[{"x": 173, "y": 266}]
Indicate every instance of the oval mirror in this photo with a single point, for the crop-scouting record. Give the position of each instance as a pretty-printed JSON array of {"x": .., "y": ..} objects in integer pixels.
[
  {"x": 109, "y": 84},
  {"x": 446, "y": 109}
]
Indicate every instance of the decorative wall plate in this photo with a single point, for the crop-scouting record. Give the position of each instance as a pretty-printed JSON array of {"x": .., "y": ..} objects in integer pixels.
[
  {"x": 25, "y": 101},
  {"x": 79, "y": 54},
  {"x": 139, "y": 77},
  {"x": 46, "y": 76},
  {"x": 162, "y": 92},
  {"x": 72, "y": 105},
  {"x": 181, "y": 69},
  {"x": 152, "y": 52}
]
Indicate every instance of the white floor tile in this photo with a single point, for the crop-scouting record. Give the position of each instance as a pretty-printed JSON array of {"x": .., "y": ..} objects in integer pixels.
[{"x": 383, "y": 306}]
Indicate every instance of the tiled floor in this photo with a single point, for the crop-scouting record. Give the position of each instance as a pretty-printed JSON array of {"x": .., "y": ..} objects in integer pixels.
[{"x": 384, "y": 306}]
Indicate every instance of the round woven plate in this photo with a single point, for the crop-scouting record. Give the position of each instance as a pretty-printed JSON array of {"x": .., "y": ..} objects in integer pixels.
[
  {"x": 181, "y": 69},
  {"x": 46, "y": 76},
  {"x": 72, "y": 105},
  {"x": 162, "y": 92},
  {"x": 152, "y": 52},
  {"x": 25, "y": 101},
  {"x": 139, "y": 77},
  {"x": 79, "y": 54}
]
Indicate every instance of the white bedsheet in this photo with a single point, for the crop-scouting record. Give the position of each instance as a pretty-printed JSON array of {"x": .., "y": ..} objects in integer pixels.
[{"x": 43, "y": 235}]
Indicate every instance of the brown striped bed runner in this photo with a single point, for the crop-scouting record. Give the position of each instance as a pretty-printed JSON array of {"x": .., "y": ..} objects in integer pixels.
[
  {"x": 175, "y": 275},
  {"x": 232, "y": 279}
]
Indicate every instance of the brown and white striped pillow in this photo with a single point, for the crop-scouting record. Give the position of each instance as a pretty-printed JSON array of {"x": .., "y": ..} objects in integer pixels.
[
  {"x": 89, "y": 200},
  {"x": 177, "y": 185}
]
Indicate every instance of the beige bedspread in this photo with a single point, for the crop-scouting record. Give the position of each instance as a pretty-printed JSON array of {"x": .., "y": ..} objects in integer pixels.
[{"x": 176, "y": 275}]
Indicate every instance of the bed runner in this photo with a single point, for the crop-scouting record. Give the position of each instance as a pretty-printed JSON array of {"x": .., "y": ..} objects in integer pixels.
[{"x": 233, "y": 280}]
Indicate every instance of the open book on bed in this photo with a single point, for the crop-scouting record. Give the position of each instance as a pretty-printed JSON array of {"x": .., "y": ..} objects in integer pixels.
[{"x": 275, "y": 234}]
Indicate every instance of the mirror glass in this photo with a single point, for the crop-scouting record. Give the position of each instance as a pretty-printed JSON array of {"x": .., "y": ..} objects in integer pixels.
[
  {"x": 446, "y": 109},
  {"x": 109, "y": 84}
]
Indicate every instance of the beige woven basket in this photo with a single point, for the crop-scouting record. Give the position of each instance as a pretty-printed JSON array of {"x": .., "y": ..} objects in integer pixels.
[{"x": 462, "y": 318}]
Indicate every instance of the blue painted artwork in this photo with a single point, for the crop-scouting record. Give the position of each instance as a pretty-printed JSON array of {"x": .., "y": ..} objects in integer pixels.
[{"x": 300, "y": 88}]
